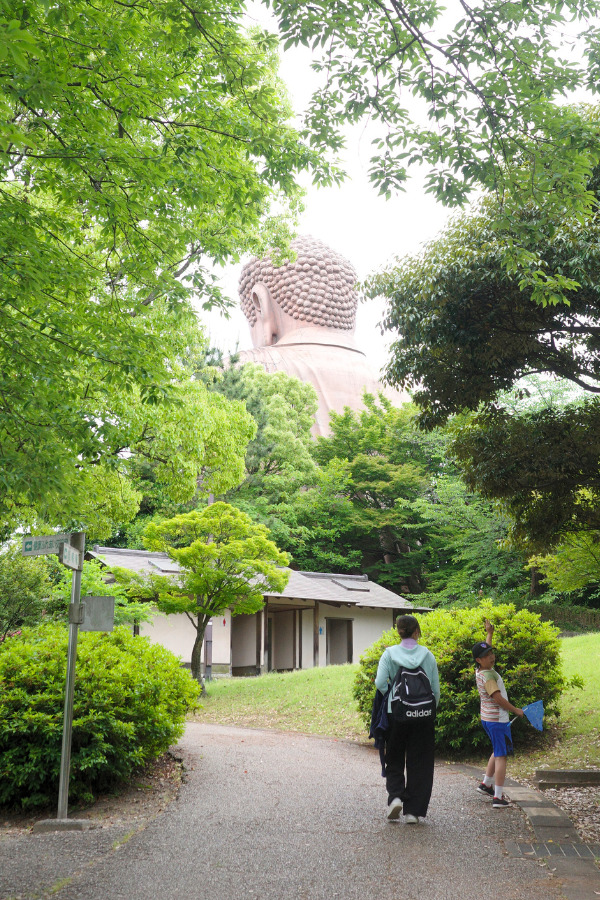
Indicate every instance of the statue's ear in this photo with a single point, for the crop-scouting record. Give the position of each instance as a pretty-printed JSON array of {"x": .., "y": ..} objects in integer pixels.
[{"x": 265, "y": 312}]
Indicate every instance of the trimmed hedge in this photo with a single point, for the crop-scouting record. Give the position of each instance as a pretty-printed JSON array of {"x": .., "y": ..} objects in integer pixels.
[
  {"x": 130, "y": 704},
  {"x": 528, "y": 658}
]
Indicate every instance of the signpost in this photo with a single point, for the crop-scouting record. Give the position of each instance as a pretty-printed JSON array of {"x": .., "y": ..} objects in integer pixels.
[
  {"x": 100, "y": 617},
  {"x": 78, "y": 545}
]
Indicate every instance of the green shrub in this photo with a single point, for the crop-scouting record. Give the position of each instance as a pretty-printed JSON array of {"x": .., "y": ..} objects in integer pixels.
[
  {"x": 24, "y": 585},
  {"x": 131, "y": 699},
  {"x": 528, "y": 658}
]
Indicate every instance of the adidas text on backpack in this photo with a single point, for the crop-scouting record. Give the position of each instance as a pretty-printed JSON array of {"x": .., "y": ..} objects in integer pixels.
[{"x": 412, "y": 696}]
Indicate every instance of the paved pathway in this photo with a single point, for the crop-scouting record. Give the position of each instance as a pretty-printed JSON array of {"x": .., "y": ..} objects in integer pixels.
[{"x": 272, "y": 816}]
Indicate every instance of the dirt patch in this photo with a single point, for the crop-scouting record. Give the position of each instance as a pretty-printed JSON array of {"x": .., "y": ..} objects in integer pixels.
[{"x": 136, "y": 803}]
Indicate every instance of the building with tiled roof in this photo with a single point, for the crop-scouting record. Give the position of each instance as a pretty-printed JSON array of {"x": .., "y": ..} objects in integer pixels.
[{"x": 319, "y": 619}]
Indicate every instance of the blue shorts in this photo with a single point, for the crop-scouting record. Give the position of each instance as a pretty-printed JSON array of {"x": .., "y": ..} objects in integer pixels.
[{"x": 500, "y": 736}]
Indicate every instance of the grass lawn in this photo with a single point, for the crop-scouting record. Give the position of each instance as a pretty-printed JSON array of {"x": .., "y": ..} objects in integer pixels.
[
  {"x": 574, "y": 742},
  {"x": 319, "y": 701},
  {"x": 313, "y": 701}
]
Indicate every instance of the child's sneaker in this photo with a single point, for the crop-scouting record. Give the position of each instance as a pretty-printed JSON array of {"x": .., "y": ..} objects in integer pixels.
[
  {"x": 486, "y": 789},
  {"x": 500, "y": 802}
]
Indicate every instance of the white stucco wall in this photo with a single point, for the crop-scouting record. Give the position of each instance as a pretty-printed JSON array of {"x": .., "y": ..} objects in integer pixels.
[
  {"x": 177, "y": 634},
  {"x": 368, "y": 626}
]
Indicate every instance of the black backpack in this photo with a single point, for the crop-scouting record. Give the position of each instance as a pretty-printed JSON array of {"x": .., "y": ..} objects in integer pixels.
[{"x": 412, "y": 696}]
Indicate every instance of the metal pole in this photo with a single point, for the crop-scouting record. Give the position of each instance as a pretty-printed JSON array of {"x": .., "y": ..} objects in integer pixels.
[
  {"x": 78, "y": 542},
  {"x": 208, "y": 642}
]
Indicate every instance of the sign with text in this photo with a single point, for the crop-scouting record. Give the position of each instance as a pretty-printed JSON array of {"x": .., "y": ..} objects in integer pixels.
[
  {"x": 69, "y": 556},
  {"x": 42, "y": 544}
]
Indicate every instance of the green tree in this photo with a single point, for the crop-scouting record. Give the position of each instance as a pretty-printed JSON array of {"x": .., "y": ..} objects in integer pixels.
[
  {"x": 390, "y": 502},
  {"x": 389, "y": 468},
  {"x": 473, "y": 556},
  {"x": 129, "y": 610},
  {"x": 542, "y": 465},
  {"x": 24, "y": 589},
  {"x": 323, "y": 501},
  {"x": 280, "y": 471},
  {"x": 225, "y": 561},
  {"x": 468, "y": 331},
  {"x": 278, "y": 460},
  {"x": 469, "y": 91},
  {"x": 573, "y": 566},
  {"x": 317, "y": 525},
  {"x": 141, "y": 142},
  {"x": 194, "y": 443}
]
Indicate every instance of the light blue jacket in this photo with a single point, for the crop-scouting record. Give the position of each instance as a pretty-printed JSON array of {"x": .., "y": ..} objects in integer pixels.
[{"x": 411, "y": 657}]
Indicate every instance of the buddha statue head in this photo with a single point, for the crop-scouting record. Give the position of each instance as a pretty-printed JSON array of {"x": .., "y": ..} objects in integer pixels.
[{"x": 315, "y": 291}]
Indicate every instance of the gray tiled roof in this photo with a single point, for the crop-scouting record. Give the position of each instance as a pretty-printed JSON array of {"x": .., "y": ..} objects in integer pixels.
[
  {"x": 355, "y": 590},
  {"x": 135, "y": 560}
]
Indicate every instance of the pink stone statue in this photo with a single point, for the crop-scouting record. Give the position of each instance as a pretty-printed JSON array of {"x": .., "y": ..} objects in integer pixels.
[{"x": 302, "y": 318}]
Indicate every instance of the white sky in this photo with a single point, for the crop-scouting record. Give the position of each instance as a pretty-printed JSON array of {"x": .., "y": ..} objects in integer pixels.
[{"x": 352, "y": 219}]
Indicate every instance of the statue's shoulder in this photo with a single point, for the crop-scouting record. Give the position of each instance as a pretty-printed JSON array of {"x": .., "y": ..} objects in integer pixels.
[{"x": 268, "y": 357}]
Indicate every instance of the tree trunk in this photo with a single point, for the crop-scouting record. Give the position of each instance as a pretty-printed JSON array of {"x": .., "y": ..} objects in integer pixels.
[
  {"x": 536, "y": 585},
  {"x": 196, "y": 662},
  {"x": 415, "y": 584}
]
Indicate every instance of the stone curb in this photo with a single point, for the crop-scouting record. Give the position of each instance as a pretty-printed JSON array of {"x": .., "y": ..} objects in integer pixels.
[
  {"x": 557, "y": 778},
  {"x": 571, "y": 860}
]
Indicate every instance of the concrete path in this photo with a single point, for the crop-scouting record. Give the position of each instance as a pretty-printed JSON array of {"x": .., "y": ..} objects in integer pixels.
[{"x": 272, "y": 816}]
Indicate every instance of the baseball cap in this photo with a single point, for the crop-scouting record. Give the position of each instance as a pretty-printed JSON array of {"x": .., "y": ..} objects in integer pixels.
[{"x": 480, "y": 649}]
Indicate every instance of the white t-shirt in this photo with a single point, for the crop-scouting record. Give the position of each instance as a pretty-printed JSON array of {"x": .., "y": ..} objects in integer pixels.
[{"x": 488, "y": 682}]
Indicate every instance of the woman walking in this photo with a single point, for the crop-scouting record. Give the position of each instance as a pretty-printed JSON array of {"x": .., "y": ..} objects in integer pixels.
[{"x": 410, "y": 743}]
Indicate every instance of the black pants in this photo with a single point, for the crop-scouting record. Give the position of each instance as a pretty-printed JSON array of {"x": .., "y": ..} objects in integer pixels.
[{"x": 410, "y": 746}]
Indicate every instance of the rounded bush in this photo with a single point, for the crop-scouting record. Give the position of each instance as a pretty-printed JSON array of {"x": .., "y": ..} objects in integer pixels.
[
  {"x": 528, "y": 659},
  {"x": 131, "y": 699}
]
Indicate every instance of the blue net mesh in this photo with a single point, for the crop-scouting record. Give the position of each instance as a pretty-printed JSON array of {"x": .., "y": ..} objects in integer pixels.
[{"x": 535, "y": 714}]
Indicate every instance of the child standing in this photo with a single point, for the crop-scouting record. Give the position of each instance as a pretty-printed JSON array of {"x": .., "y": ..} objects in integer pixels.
[{"x": 495, "y": 707}]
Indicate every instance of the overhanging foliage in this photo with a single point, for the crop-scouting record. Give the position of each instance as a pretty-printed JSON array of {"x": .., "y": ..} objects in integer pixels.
[
  {"x": 472, "y": 91},
  {"x": 139, "y": 142}
]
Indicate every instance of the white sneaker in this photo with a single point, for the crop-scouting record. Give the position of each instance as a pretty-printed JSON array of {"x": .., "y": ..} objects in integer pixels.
[
  {"x": 411, "y": 820},
  {"x": 395, "y": 808}
]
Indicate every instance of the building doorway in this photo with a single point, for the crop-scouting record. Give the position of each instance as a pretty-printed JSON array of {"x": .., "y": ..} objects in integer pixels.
[{"x": 339, "y": 641}]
